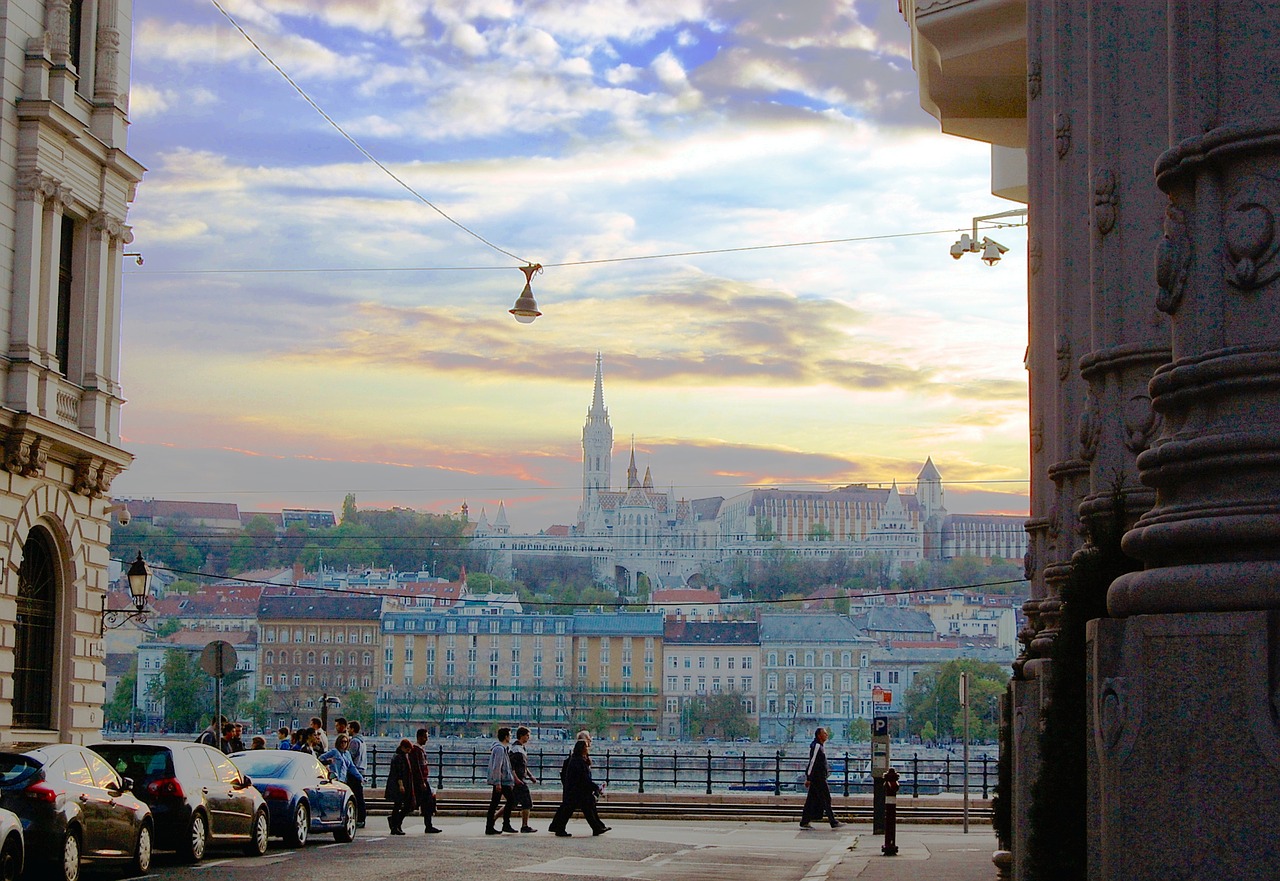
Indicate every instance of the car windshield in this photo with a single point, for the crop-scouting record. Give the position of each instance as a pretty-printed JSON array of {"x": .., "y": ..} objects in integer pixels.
[
  {"x": 264, "y": 763},
  {"x": 145, "y": 764},
  {"x": 17, "y": 769}
]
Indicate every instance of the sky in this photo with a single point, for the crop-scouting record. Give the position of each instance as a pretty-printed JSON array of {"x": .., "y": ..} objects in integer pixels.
[{"x": 305, "y": 325}]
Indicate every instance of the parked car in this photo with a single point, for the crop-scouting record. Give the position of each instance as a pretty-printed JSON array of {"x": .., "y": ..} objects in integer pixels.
[
  {"x": 301, "y": 795},
  {"x": 198, "y": 796},
  {"x": 12, "y": 849},
  {"x": 73, "y": 806}
]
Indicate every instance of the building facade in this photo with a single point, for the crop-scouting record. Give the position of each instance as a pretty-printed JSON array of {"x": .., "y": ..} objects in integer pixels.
[
  {"x": 315, "y": 645},
  {"x": 810, "y": 668},
  {"x": 66, "y": 181},
  {"x": 706, "y": 658},
  {"x": 465, "y": 673},
  {"x": 1150, "y": 153}
]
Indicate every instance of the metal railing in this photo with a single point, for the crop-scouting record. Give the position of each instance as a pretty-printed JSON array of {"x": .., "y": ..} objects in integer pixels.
[{"x": 691, "y": 769}]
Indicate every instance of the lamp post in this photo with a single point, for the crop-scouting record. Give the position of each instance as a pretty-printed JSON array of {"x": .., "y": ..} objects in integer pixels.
[{"x": 139, "y": 591}]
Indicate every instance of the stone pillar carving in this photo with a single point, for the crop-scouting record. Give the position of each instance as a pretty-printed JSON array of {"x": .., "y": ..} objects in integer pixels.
[
  {"x": 57, "y": 22},
  {"x": 106, "y": 85},
  {"x": 1184, "y": 679},
  {"x": 1130, "y": 338},
  {"x": 1212, "y": 543}
]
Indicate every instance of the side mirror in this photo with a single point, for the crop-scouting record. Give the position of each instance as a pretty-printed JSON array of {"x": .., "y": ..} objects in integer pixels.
[
  {"x": 126, "y": 784},
  {"x": 245, "y": 782}
]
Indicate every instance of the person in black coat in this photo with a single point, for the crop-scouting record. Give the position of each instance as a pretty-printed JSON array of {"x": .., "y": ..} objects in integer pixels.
[
  {"x": 400, "y": 789},
  {"x": 818, "y": 801},
  {"x": 580, "y": 793}
]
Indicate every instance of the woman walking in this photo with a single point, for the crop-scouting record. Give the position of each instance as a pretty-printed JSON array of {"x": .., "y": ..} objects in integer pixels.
[
  {"x": 399, "y": 790},
  {"x": 580, "y": 794}
]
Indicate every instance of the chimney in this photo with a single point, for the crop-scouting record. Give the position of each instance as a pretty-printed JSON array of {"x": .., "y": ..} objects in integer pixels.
[{"x": 298, "y": 572}]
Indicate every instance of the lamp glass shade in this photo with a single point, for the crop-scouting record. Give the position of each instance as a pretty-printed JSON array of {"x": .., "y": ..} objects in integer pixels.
[
  {"x": 139, "y": 580},
  {"x": 526, "y": 307}
]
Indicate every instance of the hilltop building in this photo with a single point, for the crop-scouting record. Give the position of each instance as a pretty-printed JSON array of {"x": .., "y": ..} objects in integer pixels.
[{"x": 640, "y": 529}]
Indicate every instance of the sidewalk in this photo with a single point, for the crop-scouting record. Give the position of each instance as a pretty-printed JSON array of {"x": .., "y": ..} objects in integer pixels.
[{"x": 925, "y": 853}]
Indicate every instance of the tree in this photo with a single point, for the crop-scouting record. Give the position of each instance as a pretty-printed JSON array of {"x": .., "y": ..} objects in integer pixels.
[
  {"x": 258, "y": 711},
  {"x": 597, "y": 721},
  {"x": 718, "y": 715},
  {"x": 935, "y": 697},
  {"x": 119, "y": 710},
  {"x": 859, "y": 731},
  {"x": 185, "y": 691},
  {"x": 357, "y": 705}
]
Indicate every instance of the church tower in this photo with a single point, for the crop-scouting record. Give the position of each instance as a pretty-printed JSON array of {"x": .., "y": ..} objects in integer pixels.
[{"x": 597, "y": 448}]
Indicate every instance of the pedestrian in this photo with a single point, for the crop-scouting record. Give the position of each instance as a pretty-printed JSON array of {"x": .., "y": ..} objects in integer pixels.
[
  {"x": 339, "y": 761},
  {"x": 283, "y": 735},
  {"x": 399, "y": 788},
  {"x": 307, "y": 741},
  {"x": 818, "y": 801},
  {"x": 322, "y": 739},
  {"x": 212, "y": 736},
  {"x": 521, "y": 798},
  {"x": 359, "y": 761},
  {"x": 340, "y": 726},
  {"x": 228, "y": 740},
  {"x": 259, "y": 742},
  {"x": 580, "y": 793},
  {"x": 422, "y": 779},
  {"x": 502, "y": 780}
]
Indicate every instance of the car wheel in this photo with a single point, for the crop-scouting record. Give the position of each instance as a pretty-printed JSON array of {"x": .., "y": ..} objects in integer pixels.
[
  {"x": 257, "y": 845},
  {"x": 348, "y": 831},
  {"x": 11, "y": 858},
  {"x": 300, "y": 828},
  {"x": 197, "y": 838},
  {"x": 141, "y": 862},
  {"x": 69, "y": 868}
]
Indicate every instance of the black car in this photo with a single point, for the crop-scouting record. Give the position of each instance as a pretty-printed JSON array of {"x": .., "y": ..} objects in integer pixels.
[
  {"x": 197, "y": 795},
  {"x": 74, "y": 806}
]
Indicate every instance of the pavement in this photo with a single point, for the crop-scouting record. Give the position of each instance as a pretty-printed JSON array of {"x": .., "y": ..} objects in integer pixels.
[{"x": 633, "y": 850}]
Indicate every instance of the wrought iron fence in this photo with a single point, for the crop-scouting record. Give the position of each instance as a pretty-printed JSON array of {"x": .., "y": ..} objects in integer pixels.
[{"x": 691, "y": 769}]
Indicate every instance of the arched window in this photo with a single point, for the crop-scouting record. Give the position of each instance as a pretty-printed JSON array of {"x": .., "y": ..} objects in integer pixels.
[{"x": 35, "y": 633}]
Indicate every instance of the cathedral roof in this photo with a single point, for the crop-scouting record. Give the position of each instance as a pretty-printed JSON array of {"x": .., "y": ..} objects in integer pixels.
[{"x": 929, "y": 472}]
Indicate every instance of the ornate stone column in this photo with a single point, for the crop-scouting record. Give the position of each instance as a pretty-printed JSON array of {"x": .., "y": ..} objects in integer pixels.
[{"x": 1185, "y": 684}]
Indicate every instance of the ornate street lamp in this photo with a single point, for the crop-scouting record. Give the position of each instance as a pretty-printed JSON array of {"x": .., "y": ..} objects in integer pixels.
[{"x": 139, "y": 592}]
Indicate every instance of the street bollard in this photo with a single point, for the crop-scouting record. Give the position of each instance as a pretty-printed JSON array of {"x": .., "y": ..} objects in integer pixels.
[{"x": 891, "y": 784}]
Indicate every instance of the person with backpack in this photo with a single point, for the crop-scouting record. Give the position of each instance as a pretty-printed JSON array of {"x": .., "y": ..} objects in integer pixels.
[{"x": 212, "y": 736}]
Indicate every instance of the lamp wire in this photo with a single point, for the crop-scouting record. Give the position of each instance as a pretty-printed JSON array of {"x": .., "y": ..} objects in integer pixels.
[{"x": 360, "y": 147}]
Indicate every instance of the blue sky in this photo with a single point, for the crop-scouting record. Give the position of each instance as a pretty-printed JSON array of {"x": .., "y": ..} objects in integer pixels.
[{"x": 279, "y": 351}]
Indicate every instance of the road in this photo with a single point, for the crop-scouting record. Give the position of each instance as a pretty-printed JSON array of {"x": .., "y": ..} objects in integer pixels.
[{"x": 647, "y": 850}]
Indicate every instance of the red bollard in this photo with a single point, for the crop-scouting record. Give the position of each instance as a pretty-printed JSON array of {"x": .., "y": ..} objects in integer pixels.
[{"x": 891, "y": 785}]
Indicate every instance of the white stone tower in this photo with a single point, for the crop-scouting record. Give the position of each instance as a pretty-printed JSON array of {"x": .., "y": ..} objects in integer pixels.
[{"x": 597, "y": 449}]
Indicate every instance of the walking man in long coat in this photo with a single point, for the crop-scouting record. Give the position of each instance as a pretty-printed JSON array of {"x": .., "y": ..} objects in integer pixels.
[{"x": 818, "y": 801}]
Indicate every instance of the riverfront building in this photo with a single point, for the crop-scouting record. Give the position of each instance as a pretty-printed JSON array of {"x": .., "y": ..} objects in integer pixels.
[
  {"x": 706, "y": 658},
  {"x": 466, "y": 672}
]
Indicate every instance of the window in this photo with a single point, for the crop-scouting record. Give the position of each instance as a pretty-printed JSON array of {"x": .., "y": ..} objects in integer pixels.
[
  {"x": 66, "y": 282},
  {"x": 791, "y": 659},
  {"x": 35, "y": 632},
  {"x": 268, "y": 680}
]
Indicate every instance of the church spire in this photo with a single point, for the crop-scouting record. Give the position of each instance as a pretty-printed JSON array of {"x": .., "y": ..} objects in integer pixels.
[
  {"x": 632, "y": 472},
  {"x": 597, "y": 399}
]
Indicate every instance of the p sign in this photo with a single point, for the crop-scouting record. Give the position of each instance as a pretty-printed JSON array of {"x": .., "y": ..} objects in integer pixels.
[{"x": 880, "y": 726}]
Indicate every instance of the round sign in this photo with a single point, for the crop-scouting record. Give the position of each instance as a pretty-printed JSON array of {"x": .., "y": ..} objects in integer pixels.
[{"x": 218, "y": 658}]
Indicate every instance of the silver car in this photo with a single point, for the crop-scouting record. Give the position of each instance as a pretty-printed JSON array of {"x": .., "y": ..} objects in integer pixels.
[{"x": 13, "y": 851}]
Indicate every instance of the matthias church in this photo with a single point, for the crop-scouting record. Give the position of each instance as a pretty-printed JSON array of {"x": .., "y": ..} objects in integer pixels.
[{"x": 639, "y": 529}]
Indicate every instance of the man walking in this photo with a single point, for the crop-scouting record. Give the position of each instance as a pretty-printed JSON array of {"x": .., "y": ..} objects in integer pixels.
[
  {"x": 818, "y": 801},
  {"x": 521, "y": 797},
  {"x": 422, "y": 778},
  {"x": 502, "y": 780}
]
